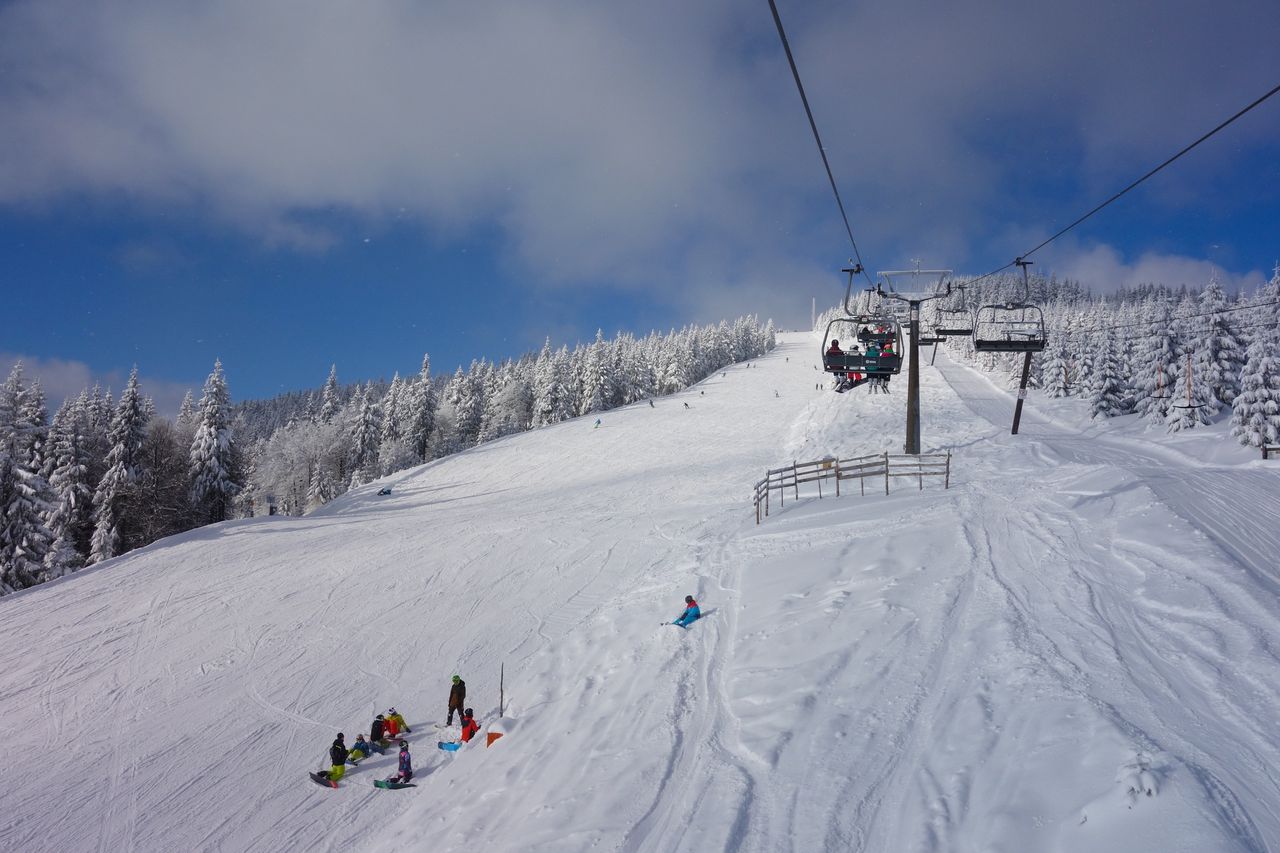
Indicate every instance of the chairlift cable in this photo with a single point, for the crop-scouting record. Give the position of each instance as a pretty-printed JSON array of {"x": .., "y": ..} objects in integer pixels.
[
  {"x": 1070, "y": 332},
  {"x": 813, "y": 125},
  {"x": 1131, "y": 186}
]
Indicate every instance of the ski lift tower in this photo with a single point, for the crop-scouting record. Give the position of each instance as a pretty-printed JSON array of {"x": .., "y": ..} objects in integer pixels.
[{"x": 913, "y": 287}]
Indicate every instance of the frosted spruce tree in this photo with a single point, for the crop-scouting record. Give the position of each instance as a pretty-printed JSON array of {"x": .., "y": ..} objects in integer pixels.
[
  {"x": 70, "y": 520},
  {"x": 422, "y": 406},
  {"x": 1106, "y": 388},
  {"x": 1219, "y": 353},
  {"x": 113, "y": 526},
  {"x": 1157, "y": 364},
  {"x": 330, "y": 399},
  {"x": 215, "y": 480},
  {"x": 25, "y": 496},
  {"x": 596, "y": 380},
  {"x": 1056, "y": 374},
  {"x": 1255, "y": 414},
  {"x": 366, "y": 435}
]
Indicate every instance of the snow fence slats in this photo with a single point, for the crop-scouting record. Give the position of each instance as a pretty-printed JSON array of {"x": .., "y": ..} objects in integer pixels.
[{"x": 859, "y": 468}]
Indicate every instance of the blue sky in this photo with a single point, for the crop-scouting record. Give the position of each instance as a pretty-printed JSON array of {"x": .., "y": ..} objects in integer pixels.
[{"x": 365, "y": 182}]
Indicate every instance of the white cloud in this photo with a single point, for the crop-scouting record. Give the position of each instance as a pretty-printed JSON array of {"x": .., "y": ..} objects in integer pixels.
[
  {"x": 1104, "y": 269},
  {"x": 623, "y": 142},
  {"x": 62, "y": 378}
]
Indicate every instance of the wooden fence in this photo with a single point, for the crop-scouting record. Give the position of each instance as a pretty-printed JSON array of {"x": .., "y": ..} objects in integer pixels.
[
  {"x": 861, "y": 468},
  {"x": 1268, "y": 449}
]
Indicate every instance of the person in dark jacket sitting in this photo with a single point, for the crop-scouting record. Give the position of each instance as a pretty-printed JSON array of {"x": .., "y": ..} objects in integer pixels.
[
  {"x": 338, "y": 758},
  {"x": 378, "y": 731}
]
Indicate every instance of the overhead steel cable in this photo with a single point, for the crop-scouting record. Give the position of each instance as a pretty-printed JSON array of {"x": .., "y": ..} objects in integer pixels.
[
  {"x": 1183, "y": 318},
  {"x": 813, "y": 125},
  {"x": 1131, "y": 186}
]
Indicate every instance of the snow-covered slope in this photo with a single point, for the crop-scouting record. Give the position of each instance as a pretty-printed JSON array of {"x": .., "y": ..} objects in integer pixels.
[{"x": 1085, "y": 617}]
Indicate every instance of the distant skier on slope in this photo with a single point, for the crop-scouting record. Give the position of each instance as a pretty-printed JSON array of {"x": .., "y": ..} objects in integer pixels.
[
  {"x": 691, "y": 612},
  {"x": 338, "y": 758},
  {"x": 457, "y": 698}
]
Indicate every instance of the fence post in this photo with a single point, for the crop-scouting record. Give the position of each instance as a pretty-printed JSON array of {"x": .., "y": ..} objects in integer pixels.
[
  {"x": 795, "y": 478},
  {"x": 920, "y": 471},
  {"x": 946, "y": 483},
  {"x": 782, "y": 490},
  {"x": 886, "y": 473},
  {"x": 757, "y": 503},
  {"x": 837, "y": 478},
  {"x": 766, "y": 496}
]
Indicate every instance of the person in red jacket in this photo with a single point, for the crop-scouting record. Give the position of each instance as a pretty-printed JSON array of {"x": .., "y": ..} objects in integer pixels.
[{"x": 469, "y": 726}]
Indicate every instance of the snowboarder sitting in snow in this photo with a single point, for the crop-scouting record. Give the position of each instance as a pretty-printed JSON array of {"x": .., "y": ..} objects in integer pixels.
[
  {"x": 469, "y": 725},
  {"x": 457, "y": 697},
  {"x": 691, "y": 612},
  {"x": 469, "y": 729},
  {"x": 360, "y": 750},
  {"x": 391, "y": 724},
  {"x": 405, "y": 767},
  {"x": 398, "y": 721},
  {"x": 338, "y": 758},
  {"x": 378, "y": 731}
]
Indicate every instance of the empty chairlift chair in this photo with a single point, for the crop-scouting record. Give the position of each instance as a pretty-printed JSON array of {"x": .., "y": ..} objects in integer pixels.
[{"x": 1011, "y": 327}]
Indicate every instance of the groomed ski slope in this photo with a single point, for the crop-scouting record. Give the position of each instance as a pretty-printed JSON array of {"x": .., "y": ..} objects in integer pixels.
[{"x": 1089, "y": 614}]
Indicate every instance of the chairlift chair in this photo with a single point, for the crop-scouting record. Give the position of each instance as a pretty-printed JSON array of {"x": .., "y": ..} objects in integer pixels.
[
  {"x": 1011, "y": 327},
  {"x": 871, "y": 359},
  {"x": 953, "y": 322}
]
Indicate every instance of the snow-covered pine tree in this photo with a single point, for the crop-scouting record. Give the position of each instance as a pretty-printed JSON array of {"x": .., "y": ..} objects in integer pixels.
[
  {"x": 113, "y": 528},
  {"x": 70, "y": 521},
  {"x": 187, "y": 413},
  {"x": 596, "y": 382},
  {"x": 366, "y": 436},
  {"x": 25, "y": 496},
  {"x": 214, "y": 478},
  {"x": 423, "y": 405},
  {"x": 330, "y": 399},
  {"x": 1106, "y": 391},
  {"x": 1057, "y": 367},
  {"x": 1255, "y": 415},
  {"x": 320, "y": 488},
  {"x": 1157, "y": 364},
  {"x": 1219, "y": 353}
]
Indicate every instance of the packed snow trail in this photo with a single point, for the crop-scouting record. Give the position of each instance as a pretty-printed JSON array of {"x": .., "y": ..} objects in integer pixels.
[{"x": 1009, "y": 665}]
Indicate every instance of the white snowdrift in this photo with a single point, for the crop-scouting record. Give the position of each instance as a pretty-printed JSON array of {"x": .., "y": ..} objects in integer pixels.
[{"x": 1075, "y": 648}]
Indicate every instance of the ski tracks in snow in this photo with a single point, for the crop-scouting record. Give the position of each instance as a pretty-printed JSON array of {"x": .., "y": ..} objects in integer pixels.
[{"x": 704, "y": 798}]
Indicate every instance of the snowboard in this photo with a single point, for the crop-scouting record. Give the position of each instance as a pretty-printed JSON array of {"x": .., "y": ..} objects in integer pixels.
[
  {"x": 392, "y": 786},
  {"x": 323, "y": 779},
  {"x": 448, "y": 747}
]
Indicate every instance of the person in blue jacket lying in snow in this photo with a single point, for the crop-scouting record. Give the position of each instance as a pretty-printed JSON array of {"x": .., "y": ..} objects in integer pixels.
[{"x": 691, "y": 612}]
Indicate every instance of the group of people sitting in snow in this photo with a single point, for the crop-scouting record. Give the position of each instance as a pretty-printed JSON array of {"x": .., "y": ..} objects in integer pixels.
[{"x": 386, "y": 728}]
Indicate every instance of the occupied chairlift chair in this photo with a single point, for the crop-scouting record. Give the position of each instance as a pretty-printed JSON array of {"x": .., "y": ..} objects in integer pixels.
[{"x": 873, "y": 331}]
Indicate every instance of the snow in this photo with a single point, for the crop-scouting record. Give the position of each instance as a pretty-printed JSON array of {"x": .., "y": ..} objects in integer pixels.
[{"x": 1073, "y": 648}]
